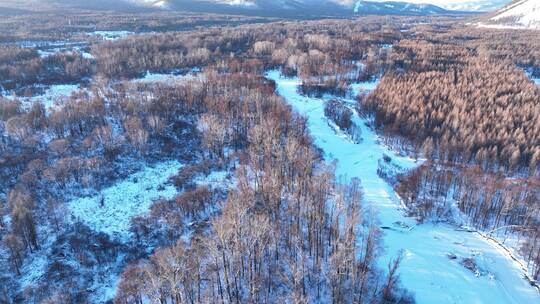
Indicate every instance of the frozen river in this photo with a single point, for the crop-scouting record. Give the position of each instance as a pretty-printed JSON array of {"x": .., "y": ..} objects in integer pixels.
[{"x": 427, "y": 269}]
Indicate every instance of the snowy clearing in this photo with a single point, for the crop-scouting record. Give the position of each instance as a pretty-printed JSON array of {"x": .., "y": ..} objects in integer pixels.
[
  {"x": 52, "y": 97},
  {"x": 110, "y": 35},
  {"x": 437, "y": 260},
  {"x": 112, "y": 209},
  {"x": 502, "y": 26},
  {"x": 170, "y": 78}
]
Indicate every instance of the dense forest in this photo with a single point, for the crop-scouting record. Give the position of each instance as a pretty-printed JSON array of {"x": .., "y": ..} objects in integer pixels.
[
  {"x": 464, "y": 113},
  {"x": 287, "y": 229}
]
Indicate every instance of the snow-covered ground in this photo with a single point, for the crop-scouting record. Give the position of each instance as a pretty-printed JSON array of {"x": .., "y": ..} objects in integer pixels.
[
  {"x": 111, "y": 35},
  {"x": 524, "y": 13},
  {"x": 48, "y": 48},
  {"x": 122, "y": 201},
  {"x": 537, "y": 81},
  {"x": 170, "y": 78},
  {"x": 49, "y": 52},
  {"x": 365, "y": 86},
  {"x": 55, "y": 95},
  {"x": 111, "y": 210},
  {"x": 51, "y": 48},
  {"x": 529, "y": 74},
  {"x": 501, "y": 26},
  {"x": 433, "y": 253},
  {"x": 51, "y": 97},
  {"x": 521, "y": 14}
]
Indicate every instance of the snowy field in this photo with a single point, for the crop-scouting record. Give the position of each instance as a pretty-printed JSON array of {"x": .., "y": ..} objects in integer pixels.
[
  {"x": 110, "y": 35},
  {"x": 501, "y": 26},
  {"x": 55, "y": 95},
  {"x": 433, "y": 253},
  {"x": 170, "y": 78},
  {"x": 48, "y": 48},
  {"x": 112, "y": 209},
  {"x": 51, "y": 97}
]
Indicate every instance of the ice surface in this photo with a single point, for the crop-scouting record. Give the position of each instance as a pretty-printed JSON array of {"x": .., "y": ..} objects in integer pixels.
[
  {"x": 126, "y": 199},
  {"x": 426, "y": 270}
]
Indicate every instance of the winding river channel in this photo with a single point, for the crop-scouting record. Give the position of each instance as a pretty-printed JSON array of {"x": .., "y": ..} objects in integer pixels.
[{"x": 431, "y": 267}]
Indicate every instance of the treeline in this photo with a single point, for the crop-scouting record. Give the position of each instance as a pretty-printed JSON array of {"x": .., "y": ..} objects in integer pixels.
[
  {"x": 328, "y": 48},
  {"x": 74, "y": 24},
  {"x": 311, "y": 50},
  {"x": 520, "y": 47},
  {"x": 287, "y": 233},
  {"x": 482, "y": 111},
  {"x": 502, "y": 207},
  {"x": 23, "y": 67}
]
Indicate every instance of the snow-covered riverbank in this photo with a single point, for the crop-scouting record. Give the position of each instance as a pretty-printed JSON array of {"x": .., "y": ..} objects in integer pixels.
[{"x": 433, "y": 254}]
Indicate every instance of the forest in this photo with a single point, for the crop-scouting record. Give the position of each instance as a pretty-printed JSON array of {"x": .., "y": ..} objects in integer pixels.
[{"x": 285, "y": 228}]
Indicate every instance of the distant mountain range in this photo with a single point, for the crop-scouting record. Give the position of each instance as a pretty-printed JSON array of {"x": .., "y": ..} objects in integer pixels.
[
  {"x": 276, "y": 8},
  {"x": 400, "y": 8},
  {"x": 288, "y": 8},
  {"x": 520, "y": 14},
  {"x": 466, "y": 5}
]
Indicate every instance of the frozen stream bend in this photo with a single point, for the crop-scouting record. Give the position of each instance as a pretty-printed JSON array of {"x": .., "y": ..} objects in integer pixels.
[{"x": 426, "y": 270}]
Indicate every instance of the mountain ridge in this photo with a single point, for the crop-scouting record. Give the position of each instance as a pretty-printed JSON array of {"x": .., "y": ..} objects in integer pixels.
[
  {"x": 520, "y": 14},
  {"x": 304, "y": 7},
  {"x": 268, "y": 8}
]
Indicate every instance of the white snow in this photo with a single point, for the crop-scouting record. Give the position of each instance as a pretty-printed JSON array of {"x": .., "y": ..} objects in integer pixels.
[
  {"x": 111, "y": 35},
  {"x": 460, "y": 5},
  {"x": 126, "y": 199},
  {"x": 46, "y": 52},
  {"x": 364, "y": 86},
  {"x": 34, "y": 267},
  {"x": 104, "y": 287},
  {"x": 244, "y": 3},
  {"x": 501, "y": 26},
  {"x": 526, "y": 14},
  {"x": 55, "y": 93},
  {"x": 529, "y": 74},
  {"x": 170, "y": 78},
  {"x": 52, "y": 97},
  {"x": 216, "y": 179},
  {"x": 426, "y": 269},
  {"x": 48, "y": 48}
]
